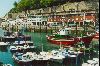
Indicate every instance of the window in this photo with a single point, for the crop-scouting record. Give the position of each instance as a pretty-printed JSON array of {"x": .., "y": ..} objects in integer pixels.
[
  {"x": 43, "y": 23},
  {"x": 37, "y": 23},
  {"x": 81, "y": 23},
  {"x": 70, "y": 22},
  {"x": 57, "y": 23}
]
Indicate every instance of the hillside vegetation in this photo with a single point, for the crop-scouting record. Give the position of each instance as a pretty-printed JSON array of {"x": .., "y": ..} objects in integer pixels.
[{"x": 24, "y": 5}]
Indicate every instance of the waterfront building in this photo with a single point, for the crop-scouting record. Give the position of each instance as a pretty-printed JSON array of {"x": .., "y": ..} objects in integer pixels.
[
  {"x": 28, "y": 21},
  {"x": 72, "y": 18},
  {"x": 33, "y": 21},
  {"x": 37, "y": 20},
  {"x": 3, "y": 23}
]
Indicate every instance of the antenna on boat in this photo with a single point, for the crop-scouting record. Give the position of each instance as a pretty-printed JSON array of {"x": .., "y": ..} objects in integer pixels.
[
  {"x": 23, "y": 32},
  {"x": 84, "y": 16},
  {"x": 81, "y": 38},
  {"x": 84, "y": 22},
  {"x": 76, "y": 29}
]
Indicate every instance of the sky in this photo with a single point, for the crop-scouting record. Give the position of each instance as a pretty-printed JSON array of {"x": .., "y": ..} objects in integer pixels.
[{"x": 5, "y": 6}]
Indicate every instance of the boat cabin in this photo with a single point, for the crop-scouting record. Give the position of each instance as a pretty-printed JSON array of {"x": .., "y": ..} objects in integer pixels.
[{"x": 65, "y": 31}]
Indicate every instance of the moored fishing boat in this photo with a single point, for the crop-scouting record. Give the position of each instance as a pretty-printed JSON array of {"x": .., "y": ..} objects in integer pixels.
[
  {"x": 64, "y": 55},
  {"x": 21, "y": 48},
  {"x": 86, "y": 39},
  {"x": 69, "y": 41},
  {"x": 55, "y": 56},
  {"x": 21, "y": 42},
  {"x": 11, "y": 37},
  {"x": 3, "y": 44},
  {"x": 37, "y": 59},
  {"x": 6, "y": 65},
  {"x": 64, "y": 37},
  {"x": 31, "y": 57}
]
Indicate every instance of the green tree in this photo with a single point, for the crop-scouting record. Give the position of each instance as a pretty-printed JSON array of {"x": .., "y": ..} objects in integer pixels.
[
  {"x": 14, "y": 10},
  {"x": 46, "y": 3},
  {"x": 15, "y": 4},
  {"x": 27, "y": 5}
]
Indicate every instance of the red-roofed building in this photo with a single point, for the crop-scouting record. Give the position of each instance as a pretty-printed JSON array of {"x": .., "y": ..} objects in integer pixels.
[{"x": 73, "y": 19}]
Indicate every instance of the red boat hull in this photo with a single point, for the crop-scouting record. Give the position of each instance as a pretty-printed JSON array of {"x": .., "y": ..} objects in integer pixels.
[
  {"x": 96, "y": 36},
  {"x": 63, "y": 42},
  {"x": 87, "y": 40}
]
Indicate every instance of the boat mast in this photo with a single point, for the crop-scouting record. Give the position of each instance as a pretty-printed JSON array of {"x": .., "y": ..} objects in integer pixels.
[
  {"x": 84, "y": 22},
  {"x": 23, "y": 33},
  {"x": 76, "y": 29},
  {"x": 83, "y": 46},
  {"x": 81, "y": 38},
  {"x": 84, "y": 16}
]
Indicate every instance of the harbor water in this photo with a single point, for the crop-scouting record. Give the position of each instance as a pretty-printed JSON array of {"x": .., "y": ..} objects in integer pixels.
[{"x": 39, "y": 40}]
